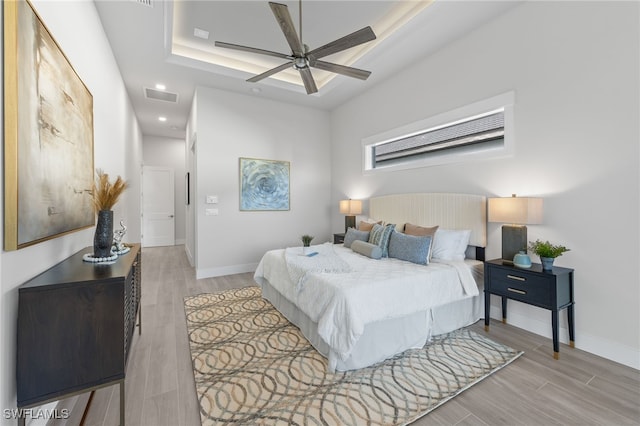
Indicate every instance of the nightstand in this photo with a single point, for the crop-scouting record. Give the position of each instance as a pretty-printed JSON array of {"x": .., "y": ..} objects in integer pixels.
[
  {"x": 338, "y": 238},
  {"x": 551, "y": 290}
]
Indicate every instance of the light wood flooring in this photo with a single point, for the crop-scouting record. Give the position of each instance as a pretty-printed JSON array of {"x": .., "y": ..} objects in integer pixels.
[{"x": 578, "y": 389}]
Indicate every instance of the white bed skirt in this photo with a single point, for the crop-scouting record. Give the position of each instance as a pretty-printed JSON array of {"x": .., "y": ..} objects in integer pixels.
[{"x": 384, "y": 339}]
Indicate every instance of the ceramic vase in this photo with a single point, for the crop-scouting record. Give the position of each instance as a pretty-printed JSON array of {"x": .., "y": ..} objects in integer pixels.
[
  {"x": 547, "y": 263},
  {"x": 103, "y": 238},
  {"x": 522, "y": 260}
]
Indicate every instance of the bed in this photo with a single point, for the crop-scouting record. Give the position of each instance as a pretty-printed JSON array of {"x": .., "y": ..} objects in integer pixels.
[{"x": 358, "y": 311}]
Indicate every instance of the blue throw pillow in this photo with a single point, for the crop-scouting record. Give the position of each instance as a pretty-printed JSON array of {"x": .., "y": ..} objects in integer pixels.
[
  {"x": 354, "y": 235},
  {"x": 379, "y": 236},
  {"x": 410, "y": 248}
]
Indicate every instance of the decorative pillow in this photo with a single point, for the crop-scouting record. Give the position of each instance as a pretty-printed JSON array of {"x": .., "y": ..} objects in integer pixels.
[
  {"x": 353, "y": 235},
  {"x": 367, "y": 226},
  {"x": 367, "y": 249},
  {"x": 420, "y": 231},
  {"x": 410, "y": 248},
  {"x": 379, "y": 236},
  {"x": 450, "y": 244}
]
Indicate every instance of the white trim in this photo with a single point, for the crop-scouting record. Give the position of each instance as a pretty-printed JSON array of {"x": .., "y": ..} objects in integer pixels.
[
  {"x": 605, "y": 348},
  {"x": 505, "y": 100},
  {"x": 225, "y": 270}
]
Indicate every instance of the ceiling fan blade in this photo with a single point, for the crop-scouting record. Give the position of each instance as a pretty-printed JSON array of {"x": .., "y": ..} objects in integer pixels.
[
  {"x": 281, "y": 12},
  {"x": 307, "y": 79},
  {"x": 251, "y": 50},
  {"x": 354, "y": 39},
  {"x": 341, "y": 69},
  {"x": 269, "y": 72}
]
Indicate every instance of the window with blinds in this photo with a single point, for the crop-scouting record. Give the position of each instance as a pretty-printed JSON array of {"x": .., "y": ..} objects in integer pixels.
[
  {"x": 487, "y": 131},
  {"x": 480, "y": 130}
]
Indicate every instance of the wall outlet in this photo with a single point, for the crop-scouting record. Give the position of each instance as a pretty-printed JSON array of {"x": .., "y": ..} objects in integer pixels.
[
  {"x": 212, "y": 199},
  {"x": 211, "y": 212}
]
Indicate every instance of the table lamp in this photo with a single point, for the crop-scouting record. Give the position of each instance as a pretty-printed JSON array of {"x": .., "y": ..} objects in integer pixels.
[
  {"x": 350, "y": 208},
  {"x": 515, "y": 213}
]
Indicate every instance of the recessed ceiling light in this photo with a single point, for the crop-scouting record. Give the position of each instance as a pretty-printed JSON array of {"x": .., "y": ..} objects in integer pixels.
[
  {"x": 204, "y": 34},
  {"x": 256, "y": 89},
  {"x": 160, "y": 86},
  {"x": 162, "y": 118}
]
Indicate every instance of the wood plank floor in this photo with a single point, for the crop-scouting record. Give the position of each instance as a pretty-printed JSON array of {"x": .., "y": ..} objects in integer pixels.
[{"x": 578, "y": 389}]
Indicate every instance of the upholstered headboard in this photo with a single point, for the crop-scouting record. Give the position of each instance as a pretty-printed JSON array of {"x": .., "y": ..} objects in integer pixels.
[{"x": 449, "y": 211}]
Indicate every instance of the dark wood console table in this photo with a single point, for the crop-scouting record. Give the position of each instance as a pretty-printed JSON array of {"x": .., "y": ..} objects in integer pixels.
[
  {"x": 75, "y": 327},
  {"x": 551, "y": 290}
]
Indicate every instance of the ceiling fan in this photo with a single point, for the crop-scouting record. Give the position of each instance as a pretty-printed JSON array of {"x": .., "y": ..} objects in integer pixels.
[{"x": 301, "y": 58}]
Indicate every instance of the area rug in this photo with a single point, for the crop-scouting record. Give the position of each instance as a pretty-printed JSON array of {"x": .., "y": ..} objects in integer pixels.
[{"x": 252, "y": 366}]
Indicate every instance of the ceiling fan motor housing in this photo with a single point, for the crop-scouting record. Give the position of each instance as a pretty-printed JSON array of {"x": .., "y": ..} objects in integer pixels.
[{"x": 300, "y": 63}]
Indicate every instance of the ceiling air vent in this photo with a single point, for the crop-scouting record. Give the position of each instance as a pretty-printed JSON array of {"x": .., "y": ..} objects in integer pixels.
[
  {"x": 144, "y": 2},
  {"x": 160, "y": 95}
]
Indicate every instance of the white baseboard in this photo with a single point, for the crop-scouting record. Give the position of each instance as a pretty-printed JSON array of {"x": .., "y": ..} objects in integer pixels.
[
  {"x": 225, "y": 270},
  {"x": 180, "y": 242},
  {"x": 599, "y": 346},
  {"x": 189, "y": 256}
]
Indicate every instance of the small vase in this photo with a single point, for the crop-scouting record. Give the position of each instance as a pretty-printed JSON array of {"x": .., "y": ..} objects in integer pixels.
[
  {"x": 103, "y": 238},
  {"x": 306, "y": 250},
  {"x": 522, "y": 260},
  {"x": 547, "y": 263}
]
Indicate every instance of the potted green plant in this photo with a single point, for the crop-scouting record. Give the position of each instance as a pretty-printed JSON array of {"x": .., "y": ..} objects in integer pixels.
[
  {"x": 547, "y": 252},
  {"x": 306, "y": 242}
]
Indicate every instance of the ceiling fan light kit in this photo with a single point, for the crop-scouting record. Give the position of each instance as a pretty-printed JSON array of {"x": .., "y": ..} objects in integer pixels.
[{"x": 301, "y": 58}]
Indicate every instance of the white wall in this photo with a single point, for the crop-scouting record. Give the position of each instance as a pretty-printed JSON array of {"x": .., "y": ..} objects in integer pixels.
[
  {"x": 190, "y": 149},
  {"x": 574, "y": 68},
  {"x": 117, "y": 149},
  {"x": 169, "y": 152},
  {"x": 230, "y": 126}
]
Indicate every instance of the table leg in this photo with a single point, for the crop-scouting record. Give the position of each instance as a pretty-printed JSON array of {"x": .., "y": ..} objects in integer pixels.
[
  {"x": 571, "y": 326},
  {"x": 122, "y": 403},
  {"x": 504, "y": 310},
  {"x": 554, "y": 325},
  {"x": 487, "y": 311}
]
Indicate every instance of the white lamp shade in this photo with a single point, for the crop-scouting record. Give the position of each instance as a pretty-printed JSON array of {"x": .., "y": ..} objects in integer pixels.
[
  {"x": 516, "y": 210},
  {"x": 350, "y": 207}
]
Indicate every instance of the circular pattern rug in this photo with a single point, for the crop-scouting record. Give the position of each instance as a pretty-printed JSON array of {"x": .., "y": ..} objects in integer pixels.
[{"x": 252, "y": 366}]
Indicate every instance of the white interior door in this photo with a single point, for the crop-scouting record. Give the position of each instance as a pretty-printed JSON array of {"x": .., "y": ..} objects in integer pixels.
[{"x": 158, "y": 215}]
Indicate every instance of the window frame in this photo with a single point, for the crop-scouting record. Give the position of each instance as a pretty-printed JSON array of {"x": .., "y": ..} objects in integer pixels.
[{"x": 503, "y": 102}]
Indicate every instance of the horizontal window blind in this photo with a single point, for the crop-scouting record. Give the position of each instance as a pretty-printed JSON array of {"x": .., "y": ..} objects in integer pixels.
[{"x": 488, "y": 130}]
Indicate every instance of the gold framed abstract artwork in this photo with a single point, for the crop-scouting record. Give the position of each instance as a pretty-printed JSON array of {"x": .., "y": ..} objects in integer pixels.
[
  {"x": 48, "y": 135},
  {"x": 264, "y": 185}
]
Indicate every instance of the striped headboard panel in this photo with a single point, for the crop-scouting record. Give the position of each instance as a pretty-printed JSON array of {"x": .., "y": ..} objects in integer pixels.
[{"x": 450, "y": 211}]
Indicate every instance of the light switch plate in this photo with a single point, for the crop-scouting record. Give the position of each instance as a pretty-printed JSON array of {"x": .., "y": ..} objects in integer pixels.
[
  {"x": 212, "y": 199},
  {"x": 211, "y": 212}
]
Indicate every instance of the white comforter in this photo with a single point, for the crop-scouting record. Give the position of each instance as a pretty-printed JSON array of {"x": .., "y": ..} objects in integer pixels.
[{"x": 342, "y": 291}]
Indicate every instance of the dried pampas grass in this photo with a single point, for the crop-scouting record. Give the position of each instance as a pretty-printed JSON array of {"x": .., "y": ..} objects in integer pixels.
[{"x": 105, "y": 193}]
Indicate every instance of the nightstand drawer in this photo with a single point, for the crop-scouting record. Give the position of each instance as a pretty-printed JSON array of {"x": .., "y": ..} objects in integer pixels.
[{"x": 524, "y": 287}]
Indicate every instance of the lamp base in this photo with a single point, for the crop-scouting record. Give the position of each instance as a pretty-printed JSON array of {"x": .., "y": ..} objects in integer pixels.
[
  {"x": 514, "y": 239},
  {"x": 349, "y": 222}
]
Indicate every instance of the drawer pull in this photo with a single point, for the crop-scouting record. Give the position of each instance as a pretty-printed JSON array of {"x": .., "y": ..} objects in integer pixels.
[
  {"x": 514, "y": 277},
  {"x": 515, "y": 290}
]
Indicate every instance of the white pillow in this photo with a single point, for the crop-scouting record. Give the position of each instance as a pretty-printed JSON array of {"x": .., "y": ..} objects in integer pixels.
[{"x": 450, "y": 244}]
